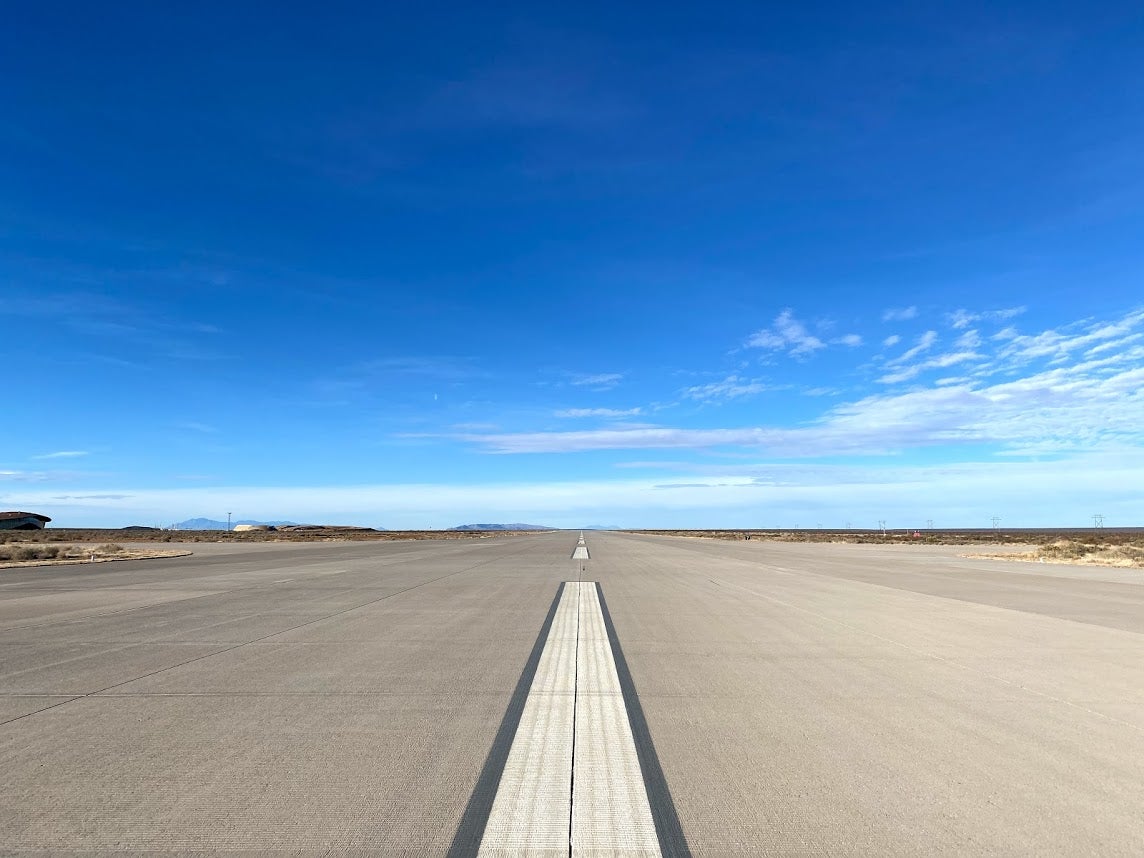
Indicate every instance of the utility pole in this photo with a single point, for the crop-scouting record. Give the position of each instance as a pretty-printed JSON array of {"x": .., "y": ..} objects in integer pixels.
[
  {"x": 929, "y": 523},
  {"x": 996, "y": 521},
  {"x": 1098, "y": 522},
  {"x": 228, "y": 522},
  {"x": 882, "y": 525}
]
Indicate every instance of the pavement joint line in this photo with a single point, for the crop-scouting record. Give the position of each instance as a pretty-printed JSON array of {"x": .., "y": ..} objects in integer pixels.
[
  {"x": 246, "y": 643},
  {"x": 939, "y": 658},
  {"x": 572, "y": 782}
]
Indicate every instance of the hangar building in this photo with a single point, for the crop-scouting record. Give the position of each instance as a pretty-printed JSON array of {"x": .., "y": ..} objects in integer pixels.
[{"x": 22, "y": 521}]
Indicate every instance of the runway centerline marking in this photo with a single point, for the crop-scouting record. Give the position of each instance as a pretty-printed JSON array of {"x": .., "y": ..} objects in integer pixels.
[{"x": 572, "y": 783}]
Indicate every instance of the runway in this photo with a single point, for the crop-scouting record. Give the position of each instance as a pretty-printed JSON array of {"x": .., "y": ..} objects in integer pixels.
[{"x": 367, "y": 698}]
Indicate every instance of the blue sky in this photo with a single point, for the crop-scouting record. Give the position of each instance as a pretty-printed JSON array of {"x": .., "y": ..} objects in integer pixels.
[{"x": 659, "y": 265}]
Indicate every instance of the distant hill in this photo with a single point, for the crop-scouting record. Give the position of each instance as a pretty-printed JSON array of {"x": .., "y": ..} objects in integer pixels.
[
  {"x": 501, "y": 527},
  {"x": 211, "y": 524},
  {"x": 598, "y": 527}
]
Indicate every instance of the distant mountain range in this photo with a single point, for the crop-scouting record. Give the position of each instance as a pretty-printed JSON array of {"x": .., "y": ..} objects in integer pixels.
[
  {"x": 501, "y": 527},
  {"x": 211, "y": 524}
]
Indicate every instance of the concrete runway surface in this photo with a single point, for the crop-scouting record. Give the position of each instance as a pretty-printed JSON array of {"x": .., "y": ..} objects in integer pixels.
[{"x": 363, "y": 698}]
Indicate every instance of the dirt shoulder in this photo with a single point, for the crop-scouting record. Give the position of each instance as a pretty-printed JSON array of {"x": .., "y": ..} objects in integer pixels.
[
  {"x": 296, "y": 533},
  {"x": 15, "y": 555},
  {"x": 1079, "y": 553},
  {"x": 1121, "y": 547}
]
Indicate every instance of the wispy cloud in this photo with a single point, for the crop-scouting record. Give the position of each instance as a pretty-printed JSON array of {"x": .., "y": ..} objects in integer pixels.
[
  {"x": 1062, "y": 401},
  {"x": 906, "y": 373},
  {"x": 366, "y": 380},
  {"x": 116, "y": 321},
  {"x": 43, "y": 476},
  {"x": 598, "y": 412},
  {"x": 786, "y": 334},
  {"x": 891, "y": 341},
  {"x": 90, "y": 497},
  {"x": 440, "y": 367},
  {"x": 924, "y": 343},
  {"x": 969, "y": 340},
  {"x": 63, "y": 454},
  {"x": 20, "y": 476},
  {"x": 899, "y": 314},
  {"x": 1086, "y": 341},
  {"x": 1058, "y": 345},
  {"x": 961, "y": 319},
  {"x": 732, "y": 387},
  {"x": 850, "y": 340},
  {"x": 598, "y": 381},
  {"x": 1023, "y": 492}
]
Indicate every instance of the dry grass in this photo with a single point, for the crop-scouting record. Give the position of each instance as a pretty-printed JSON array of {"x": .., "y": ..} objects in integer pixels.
[
  {"x": 890, "y": 537},
  {"x": 32, "y": 554},
  {"x": 1123, "y": 554},
  {"x": 1108, "y": 547}
]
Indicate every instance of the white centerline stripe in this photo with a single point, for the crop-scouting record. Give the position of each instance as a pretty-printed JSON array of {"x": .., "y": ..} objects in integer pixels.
[
  {"x": 610, "y": 810},
  {"x": 555, "y": 801}
]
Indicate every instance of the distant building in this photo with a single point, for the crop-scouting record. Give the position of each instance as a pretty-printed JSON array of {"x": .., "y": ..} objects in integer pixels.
[{"x": 22, "y": 521}]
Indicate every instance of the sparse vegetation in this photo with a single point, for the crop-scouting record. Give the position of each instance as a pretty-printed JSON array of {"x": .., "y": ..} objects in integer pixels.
[
  {"x": 1111, "y": 547},
  {"x": 1096, "y": 552},
  {"x": 1106, "y": 547},
  {"x": 36, "y": 553},
  {"x": 29, "y": 552}
]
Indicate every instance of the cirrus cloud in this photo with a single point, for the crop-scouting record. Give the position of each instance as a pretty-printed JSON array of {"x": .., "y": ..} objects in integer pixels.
[{"x": 786, "y": 334}]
